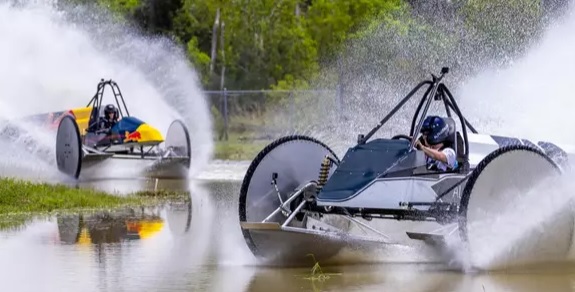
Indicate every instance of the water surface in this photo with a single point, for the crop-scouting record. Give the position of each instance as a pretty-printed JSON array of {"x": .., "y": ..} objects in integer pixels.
[{"x": 198, "y": 246}]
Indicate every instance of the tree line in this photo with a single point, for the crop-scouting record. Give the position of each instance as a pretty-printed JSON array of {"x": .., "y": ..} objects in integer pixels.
[
  {"x": 268, "y": 44},
  {"x": 366, "y": 50}
]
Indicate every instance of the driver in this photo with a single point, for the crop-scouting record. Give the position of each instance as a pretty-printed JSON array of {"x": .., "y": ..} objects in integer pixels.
[
  {"x": 109, "y": 119},
  {"x": 435, "y": 132}
]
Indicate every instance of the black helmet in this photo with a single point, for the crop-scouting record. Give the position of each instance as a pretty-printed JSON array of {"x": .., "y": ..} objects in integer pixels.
[
  {"x": 435, "y": 129},
  {"x": 110, "y": 108}
]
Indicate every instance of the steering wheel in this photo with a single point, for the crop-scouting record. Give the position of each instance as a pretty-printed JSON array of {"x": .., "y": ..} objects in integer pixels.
[{"x": 401, "y": 136}]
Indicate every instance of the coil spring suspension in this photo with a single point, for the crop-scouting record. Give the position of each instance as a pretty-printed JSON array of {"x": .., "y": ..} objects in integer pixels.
[{"x": 323, "y": 173}]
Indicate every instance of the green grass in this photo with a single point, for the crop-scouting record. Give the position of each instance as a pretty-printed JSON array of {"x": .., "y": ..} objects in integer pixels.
[
  {"x": 23, "y": 197},
  {"x": 239, "y": 147},
  {"x": 246, "y": 138},
  {"x": 15, "y": 222},
  {"x": 317, "y": 273}
]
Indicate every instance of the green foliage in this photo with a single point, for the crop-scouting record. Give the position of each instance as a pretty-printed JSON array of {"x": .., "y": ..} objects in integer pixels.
[
  {"x": 194, "y": 19},
  {"x": 503, "y": 25},
  {"x": 289, "y": 82},
  {"x": 354, "y": 44},
  {"x": 199, "y": 59},
  {"x": 266, "y": 44},
  {"x": 264, "y": 41},
  {"x": 121, "y": 6},
  {"x": 331, "y": 22},
  {"x": 285, "y": 44},
  {"x": 156, "y": 16}
]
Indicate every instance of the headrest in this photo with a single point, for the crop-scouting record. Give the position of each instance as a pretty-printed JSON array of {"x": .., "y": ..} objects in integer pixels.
[
  {"x": 451, "y": 123},
  {"x": 452, "y": 129}
]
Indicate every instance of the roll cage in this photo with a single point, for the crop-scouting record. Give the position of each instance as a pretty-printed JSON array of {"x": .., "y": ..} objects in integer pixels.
[
  {"x": 439, "y": 92},
  {"x": 96, "y": 102}
]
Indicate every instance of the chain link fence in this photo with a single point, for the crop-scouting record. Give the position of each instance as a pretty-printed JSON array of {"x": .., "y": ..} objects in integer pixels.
[
  {"x": 265, "y": 114},
  {"x": 245, "y": 121}
]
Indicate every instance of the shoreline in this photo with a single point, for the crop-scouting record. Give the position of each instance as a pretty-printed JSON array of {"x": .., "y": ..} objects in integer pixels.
[{"x": 22, "y": 197}]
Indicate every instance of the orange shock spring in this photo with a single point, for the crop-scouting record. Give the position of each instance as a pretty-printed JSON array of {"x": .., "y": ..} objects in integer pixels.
[{"x": 323, "y": 173}]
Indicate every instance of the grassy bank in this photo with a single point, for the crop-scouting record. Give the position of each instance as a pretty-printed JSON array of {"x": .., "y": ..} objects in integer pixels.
[
  {"x": 20, "y": 197},
  {"x": 239, "y": 147},
  {"x": 246, "y": 137}
]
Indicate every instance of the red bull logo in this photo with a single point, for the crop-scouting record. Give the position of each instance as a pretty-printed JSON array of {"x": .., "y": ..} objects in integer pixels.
[{"x": 134, "y": 136}]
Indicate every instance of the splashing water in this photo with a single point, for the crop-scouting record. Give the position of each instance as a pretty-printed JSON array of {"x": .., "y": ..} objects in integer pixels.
[
  {"x": 374, "y": 71},
  {"x": 530, "y": 99},
  {"x": 533, "y": 98},
  {"x": 53, "y": 58},
  {"x": 528, "y": 229}
]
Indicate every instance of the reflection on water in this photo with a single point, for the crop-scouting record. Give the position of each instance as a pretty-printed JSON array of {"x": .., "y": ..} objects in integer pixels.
[
  {"x": 198, "y": 246},
  {"x": 413, "y": 278},
  {"x": 109, "y": 227}
]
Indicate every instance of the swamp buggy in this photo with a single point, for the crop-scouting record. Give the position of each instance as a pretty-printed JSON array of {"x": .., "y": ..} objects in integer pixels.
[
  {"x": 298, "y": 197},
  {"x": 80, "y": 145}
]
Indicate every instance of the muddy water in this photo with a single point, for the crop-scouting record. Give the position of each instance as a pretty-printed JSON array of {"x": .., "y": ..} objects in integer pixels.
[{"x": 197, "y": 246}]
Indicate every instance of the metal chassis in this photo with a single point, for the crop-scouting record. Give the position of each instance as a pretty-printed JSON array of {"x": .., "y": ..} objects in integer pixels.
[
  {"x": 128, "y": 153},
  {"x": 440, "y": 212},
  {"x": 445, "y": 217}
]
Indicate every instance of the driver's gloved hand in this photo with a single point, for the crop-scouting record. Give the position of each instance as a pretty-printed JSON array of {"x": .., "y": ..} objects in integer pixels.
[{"x": 417, "y": 145}]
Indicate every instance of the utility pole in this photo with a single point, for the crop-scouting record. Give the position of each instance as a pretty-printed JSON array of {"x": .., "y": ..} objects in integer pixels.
[
  {"x": 223, "y": 72},
  {"x": 214, "y": 41},
  {"x": 222, "y": 82}
]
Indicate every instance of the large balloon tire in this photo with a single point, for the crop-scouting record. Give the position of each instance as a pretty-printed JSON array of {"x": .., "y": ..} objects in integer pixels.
[
  {"x": 178, "y": 139},
  {"x": 69, "y": 147},
  {"x": 287, "y": 157},
  {"x": 504, "y": 173}
]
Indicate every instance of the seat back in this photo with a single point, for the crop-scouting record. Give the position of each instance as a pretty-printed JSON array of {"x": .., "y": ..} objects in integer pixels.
[
  {"x": 452, "y": 138},
  {"x": 459, "y": 149},
  {"x": 455, "y": 140},
  {"x": 93, "y": 121}
]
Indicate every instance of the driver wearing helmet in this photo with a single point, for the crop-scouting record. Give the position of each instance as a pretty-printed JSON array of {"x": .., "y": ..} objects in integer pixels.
[
  {"x": 109, "y": 119},
  {"x": 435, "y": 132}
]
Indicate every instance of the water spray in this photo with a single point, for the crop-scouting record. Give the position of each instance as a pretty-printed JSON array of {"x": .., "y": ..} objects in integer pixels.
[{"x": 56, "y": 54}]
